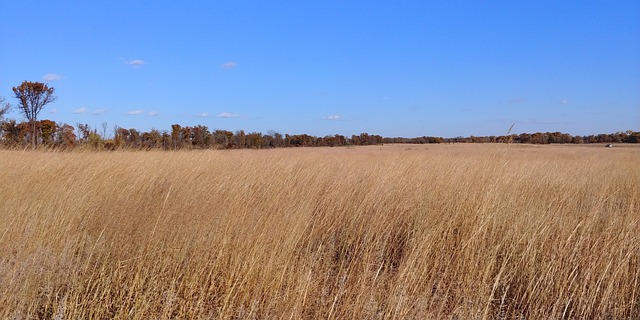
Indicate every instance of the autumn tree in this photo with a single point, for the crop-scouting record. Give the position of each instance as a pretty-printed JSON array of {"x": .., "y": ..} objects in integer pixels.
[
  {"x": 152, "y": 139},
  {"x": 10, "y": 133},
  {"x": 201, "y": 136},
  {"x": 47, "y": 129},
  {"x": 239, "y": 139},
  {"x": 176, "y": 136},
  {"x": 134, "y": 138},
  {"x": 65, "y": 136},
  {"x": 32, "y": 97},
  {"x": 223, "y": 139}
]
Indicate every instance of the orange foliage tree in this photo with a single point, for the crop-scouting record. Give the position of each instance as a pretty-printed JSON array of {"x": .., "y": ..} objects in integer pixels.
[{"x": 33, "y": 96}]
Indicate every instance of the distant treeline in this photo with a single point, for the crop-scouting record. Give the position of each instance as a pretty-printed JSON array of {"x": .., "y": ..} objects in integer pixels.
[{"x": 61, "y": 135}]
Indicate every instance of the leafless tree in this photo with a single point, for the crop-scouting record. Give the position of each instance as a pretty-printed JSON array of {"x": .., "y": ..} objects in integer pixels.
[
  {"x": 104, "y": 130},
  {"x": 4, "y": 107}
]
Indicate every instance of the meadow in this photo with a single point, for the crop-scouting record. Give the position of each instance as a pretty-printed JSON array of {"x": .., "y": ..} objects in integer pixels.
[{"x": 383, "y": 232}]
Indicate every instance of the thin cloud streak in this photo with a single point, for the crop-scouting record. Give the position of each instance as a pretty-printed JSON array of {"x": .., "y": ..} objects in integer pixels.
[
  {"x": 517, "y": 100},
  {"x": 136, "y": 63},
  {"x": 52, "y": 77},
  {"x": 228, "y": 115},
  {"x": 229, "y": 65},
  {"x": 80, "y": 110}
]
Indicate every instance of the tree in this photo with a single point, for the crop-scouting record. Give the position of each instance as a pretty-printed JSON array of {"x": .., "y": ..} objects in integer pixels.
[
  {"x": 47, "y": 129},
  {"x": 4, "y": 107},
  {"x": 104, "y": 130},
  {"x": 176, "y": 138},
  {"x": 33, "y": 96},
  {"x": 65, "y": 136},
  {"x": 85, "y": 130},
  {"x": 10, "y": 133}
]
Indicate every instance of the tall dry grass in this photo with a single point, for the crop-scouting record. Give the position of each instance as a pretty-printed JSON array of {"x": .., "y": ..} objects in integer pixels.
[{"x": 435, "y": 232}]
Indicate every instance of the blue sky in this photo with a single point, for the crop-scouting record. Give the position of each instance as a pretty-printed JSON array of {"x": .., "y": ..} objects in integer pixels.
[{"x": 394, "y": 68}]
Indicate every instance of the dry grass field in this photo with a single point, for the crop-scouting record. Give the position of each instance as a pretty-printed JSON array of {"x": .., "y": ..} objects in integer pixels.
[{"x": 404, "y": 232}]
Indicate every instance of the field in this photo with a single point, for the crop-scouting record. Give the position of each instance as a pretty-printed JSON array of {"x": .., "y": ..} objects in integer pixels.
[{"x": 401, "y": 231}]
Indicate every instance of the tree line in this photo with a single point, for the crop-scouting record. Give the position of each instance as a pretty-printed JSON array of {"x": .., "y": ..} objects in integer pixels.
[
  {"x": 33, "y": 96},
  {"x": 62, "y": 135}
]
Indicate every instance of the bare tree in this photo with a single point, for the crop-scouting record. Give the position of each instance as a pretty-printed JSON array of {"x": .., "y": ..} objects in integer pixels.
[
  {"x": 4, "y": 107},
  {"x": 33, "y": 96},
  {"x": 104, "y": 131}
]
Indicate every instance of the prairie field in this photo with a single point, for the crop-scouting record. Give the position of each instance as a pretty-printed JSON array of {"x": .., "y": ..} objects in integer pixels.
[{"x": 382, "y": 232}]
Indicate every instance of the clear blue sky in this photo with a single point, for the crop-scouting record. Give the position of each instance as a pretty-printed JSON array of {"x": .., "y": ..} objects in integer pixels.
[{"x": 394, "y": 68}]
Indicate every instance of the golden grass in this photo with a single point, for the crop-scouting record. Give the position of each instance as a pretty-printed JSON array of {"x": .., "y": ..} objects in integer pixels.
[{"x": 422, "y": 232}]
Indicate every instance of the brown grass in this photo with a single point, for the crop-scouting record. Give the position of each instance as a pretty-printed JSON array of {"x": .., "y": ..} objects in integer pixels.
[{"x": 406, "y": 232}]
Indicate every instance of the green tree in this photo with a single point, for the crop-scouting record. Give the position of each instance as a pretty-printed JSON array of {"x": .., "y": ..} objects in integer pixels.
[{"x": 33, "y": 96}]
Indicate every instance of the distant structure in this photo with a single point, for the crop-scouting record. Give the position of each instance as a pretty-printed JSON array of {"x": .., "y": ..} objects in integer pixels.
[
  {"x": 609, "y": 146},
  {"x": 508, "y": 137}
]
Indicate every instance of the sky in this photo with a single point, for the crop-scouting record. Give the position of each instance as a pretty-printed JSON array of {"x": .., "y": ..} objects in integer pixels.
[{"x": 393, "y": 68}]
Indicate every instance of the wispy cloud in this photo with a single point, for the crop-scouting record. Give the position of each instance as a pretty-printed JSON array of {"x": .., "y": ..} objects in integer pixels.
[
  {"x": 80, "y": 110},
  {"x": 541, "y": 122},
  {"x": 508, "y": 122},
  {"x": 332, "y": 117},
  {"x": 135, "y": 112},
  {"x": 154, "y": 113},
  {"x": 228, "y": 115},
  {"x": 136, "y": 63},
  {"x": 54, "y": 110},
  {"x": 98, "y": 112},
  {"x": 517, "y": 100},
  {"x": 52, "y": 77},
  {"x": 564, "y": 101},
  {"x": 229, "y": 65},
  {"x": 202, "y": 115}
]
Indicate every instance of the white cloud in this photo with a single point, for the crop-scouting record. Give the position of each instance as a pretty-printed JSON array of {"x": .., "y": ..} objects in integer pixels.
[
  {"x": 228, "y": 115},
  {"x": 154, "y": 113},
  {"x": 564, "y": 101},
  {"x": 202, "y": 115},
  {"x": 54, "y": 110},
  {"x": 333, "y": 117},
  {"x": 52, "y": 77},
  {"x": 135, "y": 112},
  {"x": 80, "y": 110},
  {"x": 228, "y": 65},
  {"x": 137, "y": 63},
  {"x": 98, "y": 112}
]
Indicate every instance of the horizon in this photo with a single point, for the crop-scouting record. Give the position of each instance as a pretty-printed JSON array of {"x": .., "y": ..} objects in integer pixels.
[{"x": 391, "y": 69}]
